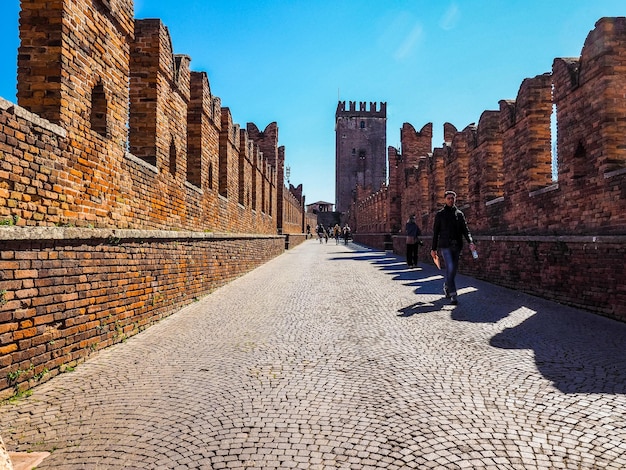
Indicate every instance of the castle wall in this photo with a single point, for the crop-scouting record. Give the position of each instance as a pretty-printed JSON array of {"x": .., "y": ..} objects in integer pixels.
[
  {"x": 485, "y": 171},
  {"x": 274, "y": 156},
  {"x": 294, "y": 219},
  {"x": 151, "y": 147},
  {"x": 395, "y": 203},
  {"x": 560, "y": 238},
  {"x": 126, "y": 189}
]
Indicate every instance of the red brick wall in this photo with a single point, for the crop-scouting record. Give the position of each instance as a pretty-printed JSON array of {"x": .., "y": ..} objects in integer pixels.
[
  {"x": 292, "y": 213},
  {"x": 561, "y": 239},
  {"x": 110, "y": 209},
  {"x": 92, "y": 180},
  {"x": 68, "y": 292}
]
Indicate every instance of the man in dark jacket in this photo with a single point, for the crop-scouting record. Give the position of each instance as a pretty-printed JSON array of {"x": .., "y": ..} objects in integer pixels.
[
  {"x": 412, "y": 242},
  {"x": 448, "y": 232}
]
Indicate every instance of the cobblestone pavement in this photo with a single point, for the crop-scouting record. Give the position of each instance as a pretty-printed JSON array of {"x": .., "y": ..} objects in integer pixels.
[{"x": 340, "y": 357}]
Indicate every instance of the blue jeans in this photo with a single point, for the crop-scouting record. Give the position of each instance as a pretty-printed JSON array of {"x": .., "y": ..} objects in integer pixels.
[{"x": 451, "y": 258}]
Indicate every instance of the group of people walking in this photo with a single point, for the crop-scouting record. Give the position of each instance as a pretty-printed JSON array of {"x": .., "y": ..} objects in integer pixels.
[
  {"x": 335, "y": 232},
  {"x": 449, "y": 231}
]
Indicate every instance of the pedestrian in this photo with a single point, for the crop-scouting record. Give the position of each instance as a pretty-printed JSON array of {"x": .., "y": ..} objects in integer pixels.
[
  {"x": 336, "y": 233},
  {"x": 308, "y": 231},
  {"x": 320, "y": 232},
  {"x": 346, "y": 234},
  {"x": 449, "y": 229},
  {"x": 412, "y": 242}
]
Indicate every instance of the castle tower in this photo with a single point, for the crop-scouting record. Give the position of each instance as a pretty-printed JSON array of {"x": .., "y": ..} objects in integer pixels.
[{"x": 360, "y": 155}]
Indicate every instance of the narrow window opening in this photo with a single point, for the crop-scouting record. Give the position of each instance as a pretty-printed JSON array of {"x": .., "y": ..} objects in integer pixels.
[
  {"x": 173, "y": 158},
  {"x": 99, "y": 110},
  {"x": 580, "y": 157},
  {"x": 554, "y": 158}
]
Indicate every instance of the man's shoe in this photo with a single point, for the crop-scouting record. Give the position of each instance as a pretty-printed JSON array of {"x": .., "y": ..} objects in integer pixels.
[
  {"x": 445, "y": 291},
  {"x": 453, "y": 300}
]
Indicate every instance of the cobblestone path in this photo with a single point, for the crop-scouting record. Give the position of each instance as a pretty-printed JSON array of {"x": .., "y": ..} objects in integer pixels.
[{"x": 334, "y": 356}]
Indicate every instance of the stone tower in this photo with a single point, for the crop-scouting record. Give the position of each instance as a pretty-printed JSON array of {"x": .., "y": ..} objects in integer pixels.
[{"x": 360, "y": 155}]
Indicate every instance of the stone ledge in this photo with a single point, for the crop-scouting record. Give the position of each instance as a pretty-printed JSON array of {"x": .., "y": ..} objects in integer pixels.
[
  {"x": 78, "y": 233},
  {"x": 598, "y": 239},
  {"x": 36, "y": 120},
  {"x": 553, "y": 238}
]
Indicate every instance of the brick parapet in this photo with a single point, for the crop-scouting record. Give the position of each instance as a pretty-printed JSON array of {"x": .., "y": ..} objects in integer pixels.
[
  {"x": 66, "y": 293},
  {"x": 111, "y": 177},
  {"x": 547, "y": 266},
  {"x": 83, "y": 173},
  {"x": 292, "y": 210}
]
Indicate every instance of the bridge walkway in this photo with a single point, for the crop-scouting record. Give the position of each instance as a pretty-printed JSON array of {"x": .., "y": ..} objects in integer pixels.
[{"x": 335, "y": 356}]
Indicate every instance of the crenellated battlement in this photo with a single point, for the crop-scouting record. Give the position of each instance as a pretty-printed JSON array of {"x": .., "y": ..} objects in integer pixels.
[
  {"x": 120, "y": 167},
  {"x": 378, "y": 110},
  {"x": 148, "y": 144}
]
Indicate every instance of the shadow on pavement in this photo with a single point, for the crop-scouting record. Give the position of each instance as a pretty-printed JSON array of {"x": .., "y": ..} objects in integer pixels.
[
  {"x": 578, "y": 351},
  {"x": 424, "y": 307}
]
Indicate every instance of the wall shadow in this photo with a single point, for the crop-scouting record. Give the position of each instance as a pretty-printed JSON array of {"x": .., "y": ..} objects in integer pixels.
[{"x": 578, "y": 351}]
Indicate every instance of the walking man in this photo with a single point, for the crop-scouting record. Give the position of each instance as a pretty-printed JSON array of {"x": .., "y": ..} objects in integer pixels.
[
  {"x": 448, "y": 232},
  {"x": 412, "y": 242}
]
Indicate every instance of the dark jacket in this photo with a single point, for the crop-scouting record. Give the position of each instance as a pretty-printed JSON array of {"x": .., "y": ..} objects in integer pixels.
[
  {"x": 450, "y": 228},
  {"x": 412, "y": 230}
]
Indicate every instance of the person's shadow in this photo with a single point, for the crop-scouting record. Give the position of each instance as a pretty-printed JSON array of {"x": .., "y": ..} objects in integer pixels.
[
  {"x": 579, "y": 352},
  {"x": 424, "y": 306}
]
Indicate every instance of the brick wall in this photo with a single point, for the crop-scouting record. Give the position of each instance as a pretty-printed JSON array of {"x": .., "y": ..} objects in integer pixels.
[
  {"x": 560, "y": 238},
  {"x": 66, "y": 293},
  {"x": 126, "y": 189},
  {"x": 183, "y": 148},
  {"x": 292, "y": 213}
]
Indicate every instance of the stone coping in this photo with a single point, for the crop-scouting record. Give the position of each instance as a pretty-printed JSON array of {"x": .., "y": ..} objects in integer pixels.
[
  {"x": 543, "y": 238},
  {"x": 77, "y": 233},
  {"x": 18, "y": 111}
]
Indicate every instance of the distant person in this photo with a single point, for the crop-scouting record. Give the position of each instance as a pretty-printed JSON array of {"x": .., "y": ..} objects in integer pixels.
[
  {"x": 449, "y": 229},
  {"x": 337, "y": 233},
  {"x": 346, "y": 233},
  {"x": 412, "y": 242},
  {"x": 308, "y": 231},
  {"x": 320, "y": 232}
]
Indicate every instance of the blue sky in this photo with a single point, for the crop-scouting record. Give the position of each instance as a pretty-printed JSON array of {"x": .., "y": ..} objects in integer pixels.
[{"x": 290, "y": 61}]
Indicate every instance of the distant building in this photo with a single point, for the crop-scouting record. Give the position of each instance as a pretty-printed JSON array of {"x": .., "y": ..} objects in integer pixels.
[
  {"x": 361, "y": 146},
  {"x": 320, "y": 206}
]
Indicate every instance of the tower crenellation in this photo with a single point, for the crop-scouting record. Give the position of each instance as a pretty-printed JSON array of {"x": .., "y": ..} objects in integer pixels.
[{"x": 374, "y": 109}]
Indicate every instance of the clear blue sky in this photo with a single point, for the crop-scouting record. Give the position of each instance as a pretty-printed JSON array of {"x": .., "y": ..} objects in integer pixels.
[{"x": 290, "y": 60}]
